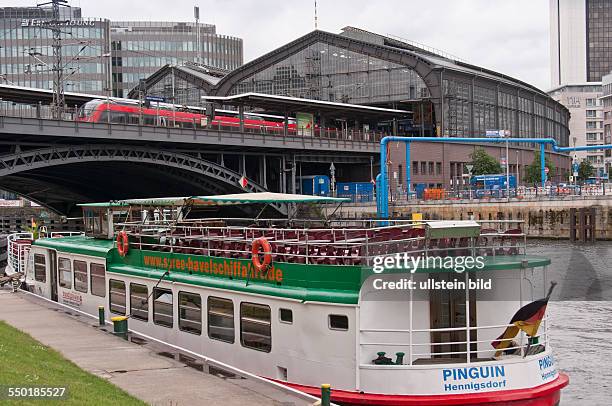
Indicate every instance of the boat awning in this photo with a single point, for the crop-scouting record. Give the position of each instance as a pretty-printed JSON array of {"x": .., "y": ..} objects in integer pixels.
[
  {"x": 264, "y": 197},
  {"x": 222, "y": 200}
]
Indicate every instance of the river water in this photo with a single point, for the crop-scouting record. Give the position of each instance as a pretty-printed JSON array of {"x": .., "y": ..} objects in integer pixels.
[{"x": 581, "y": 317}]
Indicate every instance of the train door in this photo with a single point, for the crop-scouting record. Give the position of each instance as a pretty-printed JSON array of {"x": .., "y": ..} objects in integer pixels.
[{"x": 53, "y": 274}]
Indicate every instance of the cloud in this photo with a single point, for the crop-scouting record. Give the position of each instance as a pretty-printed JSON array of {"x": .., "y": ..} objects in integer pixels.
[{"x": 510, "y": 37}]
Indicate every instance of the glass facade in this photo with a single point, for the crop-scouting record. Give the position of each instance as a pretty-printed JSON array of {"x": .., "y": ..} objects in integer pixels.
[
  {"x": 26, "y": 52},
  {"x": 98, "y": 54},
  {"x": 325, "y": 72},
  {"x": 599, "y": 39},
  {"x": 469, "y": 104},
  {"x": 175, "y": 89},
  {"x": 139, "y": 49}
]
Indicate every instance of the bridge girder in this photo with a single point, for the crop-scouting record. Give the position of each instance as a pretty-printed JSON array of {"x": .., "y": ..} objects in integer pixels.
[{"x": 211, "y": 176}]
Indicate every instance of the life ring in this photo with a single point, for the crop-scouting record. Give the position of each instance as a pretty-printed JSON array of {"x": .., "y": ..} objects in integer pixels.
[
  {"x": 257, "y": 244},
  {"x": 122, "y": 243}
]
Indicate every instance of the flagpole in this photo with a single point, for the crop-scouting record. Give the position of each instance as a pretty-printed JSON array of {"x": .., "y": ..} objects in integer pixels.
[{"x": 522, "y": 333}]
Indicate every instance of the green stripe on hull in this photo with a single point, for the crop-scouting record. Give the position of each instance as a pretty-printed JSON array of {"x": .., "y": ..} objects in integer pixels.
[{"x": 321, "y": 283}]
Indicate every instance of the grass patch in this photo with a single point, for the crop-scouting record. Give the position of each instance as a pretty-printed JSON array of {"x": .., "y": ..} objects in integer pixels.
[{"x": 26, "y": 362}]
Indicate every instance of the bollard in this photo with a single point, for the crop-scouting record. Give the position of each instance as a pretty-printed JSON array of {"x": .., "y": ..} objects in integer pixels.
[
  {"x": 120, "y": 326},
  {"x": 400, "y": 358},
  {"x": 101, "y": 315},
  {"x": 325, "y": 394}
]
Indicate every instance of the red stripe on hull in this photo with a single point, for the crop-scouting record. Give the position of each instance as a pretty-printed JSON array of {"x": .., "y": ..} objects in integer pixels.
[{"x": 548, "y": 394}]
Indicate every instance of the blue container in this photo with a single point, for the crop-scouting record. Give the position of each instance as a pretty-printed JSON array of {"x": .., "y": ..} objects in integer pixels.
[
  {"x": 356, "y": 191},
  {"x": 317, "y": 185},
  {"x": 419, "y": 189}
]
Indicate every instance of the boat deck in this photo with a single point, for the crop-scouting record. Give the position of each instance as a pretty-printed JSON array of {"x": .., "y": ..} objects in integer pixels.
[{"x": 333, "y": 245}]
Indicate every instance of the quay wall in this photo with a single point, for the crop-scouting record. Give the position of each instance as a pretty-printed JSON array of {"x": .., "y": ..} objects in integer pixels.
[{"x": 542, "y": 218}]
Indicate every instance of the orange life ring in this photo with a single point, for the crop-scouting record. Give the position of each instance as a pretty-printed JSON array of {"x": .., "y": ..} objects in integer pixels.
[
  {"x": 122, "y": 243},
  {"x": 267, "y": 253}
]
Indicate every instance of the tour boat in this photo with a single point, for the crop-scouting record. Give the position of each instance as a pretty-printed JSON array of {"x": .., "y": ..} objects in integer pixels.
[{"x": 302, "y": 302}]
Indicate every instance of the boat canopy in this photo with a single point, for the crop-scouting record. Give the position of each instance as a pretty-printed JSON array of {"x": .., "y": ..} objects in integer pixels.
[{"x": 222, "y": 200}]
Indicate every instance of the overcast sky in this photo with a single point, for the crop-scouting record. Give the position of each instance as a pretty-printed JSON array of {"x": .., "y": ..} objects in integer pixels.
[{"x": 510, "y": 37}]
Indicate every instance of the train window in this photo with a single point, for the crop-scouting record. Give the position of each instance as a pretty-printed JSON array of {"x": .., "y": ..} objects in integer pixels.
[
  {"x": 286, "y": 316},
  {"x": 80, "y": 276},
  {"x": 221, "y": 319},
  {"x": 120, "y": 118},
  {"x": 133, "y": 119},
  {"x": 117, "y": 296},
  {"x": 97, "y": 280},
  {"x": 338, "y": 322},
  {"x": 139, "y": 301},
  {"x": 190, "y": 312},
  {"x": 162, "y": 307},
  {"x": 65, "y": 273},
  {"x": 40, "y": 272},
  {"x": 255, "y": 326}
]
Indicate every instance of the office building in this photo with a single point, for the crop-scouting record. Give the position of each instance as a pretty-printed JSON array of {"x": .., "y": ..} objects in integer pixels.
[
  {"x": 100, "y": 55},
  {"x": 581, "y": 54}
]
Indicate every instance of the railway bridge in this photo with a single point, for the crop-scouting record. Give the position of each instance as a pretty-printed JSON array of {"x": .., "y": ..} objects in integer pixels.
[{"x": 58, "y": 162}]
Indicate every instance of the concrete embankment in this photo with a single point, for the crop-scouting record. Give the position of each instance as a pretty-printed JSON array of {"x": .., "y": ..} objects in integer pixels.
[{"x": 543, "y": 218}]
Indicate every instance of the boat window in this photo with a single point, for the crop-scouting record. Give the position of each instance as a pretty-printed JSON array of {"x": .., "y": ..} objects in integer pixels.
[
  {"x": 117, "y": 296},
  {"x": 96, "y": 222},
  {"x": 221, "y": 319},
  {"x": 255, "y": 326},
  {"x": 80, "y": 276},
  {"x": 190, "y": 312},
  {"x": 162, "y": 307},
  {"x": 97, "y": 280},
  {"x": 286, "y": 316},
  {"x": 65, "y": 273},
  {"x": 338, "y": 322},
  {"x": 40, "y": 272},
  {"x": 139, "y": 304}
]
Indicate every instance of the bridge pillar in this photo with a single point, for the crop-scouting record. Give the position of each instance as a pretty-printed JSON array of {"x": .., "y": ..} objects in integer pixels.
[
  {"x": 241, "y": 117},
  {"x": 265, "y": 171},
  {"x": 286, "y": 124}
]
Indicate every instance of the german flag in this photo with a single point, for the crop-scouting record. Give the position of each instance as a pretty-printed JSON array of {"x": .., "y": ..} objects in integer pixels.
[{"x": 527, "y": 318}]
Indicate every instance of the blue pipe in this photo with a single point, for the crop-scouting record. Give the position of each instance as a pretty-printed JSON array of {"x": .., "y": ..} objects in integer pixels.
[
  {"x": 383, "y": 181},
  {"x": 543, "y": 164},
  {"x": 408, "y": 183}
]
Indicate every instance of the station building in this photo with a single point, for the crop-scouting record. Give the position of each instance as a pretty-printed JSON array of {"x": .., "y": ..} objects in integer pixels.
[{"x": 447, "y": 97}]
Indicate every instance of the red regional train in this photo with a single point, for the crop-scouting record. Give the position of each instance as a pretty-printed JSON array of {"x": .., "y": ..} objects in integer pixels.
[{"x": 98, "y": 110}]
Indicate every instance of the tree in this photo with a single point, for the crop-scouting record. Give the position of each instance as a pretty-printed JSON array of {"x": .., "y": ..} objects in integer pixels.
[
  {"x": 585, "y": 170},
  {"x": 532, "y": 172},
  {"x": 484, "y": 164}
]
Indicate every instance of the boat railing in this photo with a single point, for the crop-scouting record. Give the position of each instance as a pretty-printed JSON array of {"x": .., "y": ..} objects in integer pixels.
[
  {"x": 419, "y": 339},
  {"x": 322, "y": 245},
  {"x": 17, "y": 249},
  {"x": 60, "y": 234}
]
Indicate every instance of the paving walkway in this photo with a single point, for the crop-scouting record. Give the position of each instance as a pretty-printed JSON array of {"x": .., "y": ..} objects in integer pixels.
[{"x": 138, "y": 369}]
